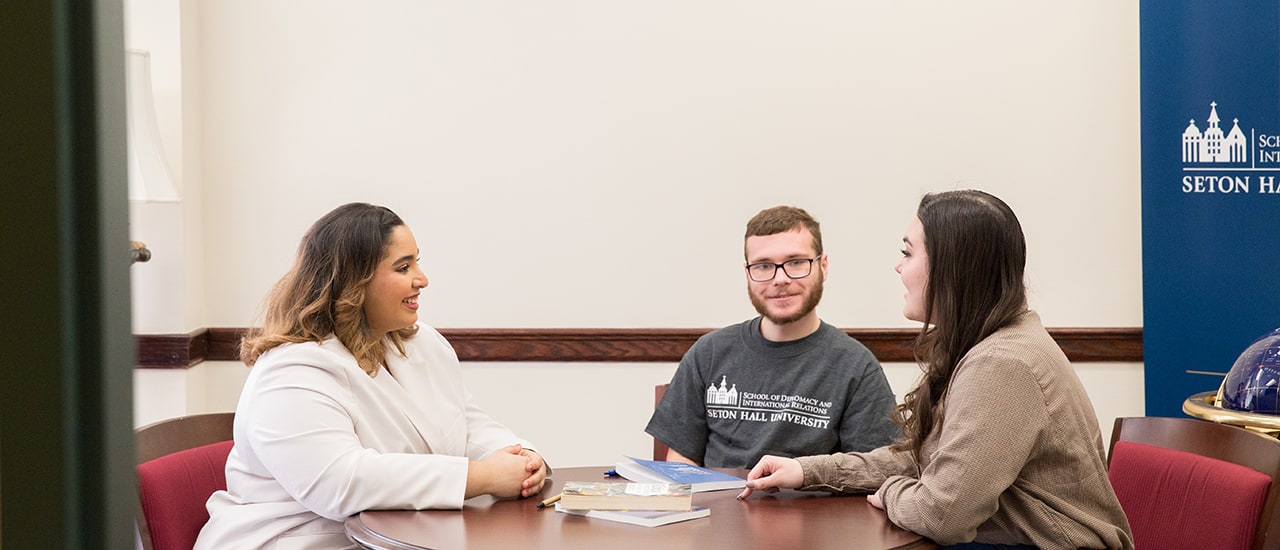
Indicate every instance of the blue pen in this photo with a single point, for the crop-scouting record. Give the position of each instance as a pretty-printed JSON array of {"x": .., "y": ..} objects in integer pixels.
[{"x": 610, "y": 473}]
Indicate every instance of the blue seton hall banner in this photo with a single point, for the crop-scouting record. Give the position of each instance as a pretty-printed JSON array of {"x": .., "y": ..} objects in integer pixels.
[{"x": 1210, "y": 189}]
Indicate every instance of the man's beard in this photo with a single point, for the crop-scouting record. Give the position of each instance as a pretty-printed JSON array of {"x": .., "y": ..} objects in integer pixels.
[{"x": 810, "y": 303}]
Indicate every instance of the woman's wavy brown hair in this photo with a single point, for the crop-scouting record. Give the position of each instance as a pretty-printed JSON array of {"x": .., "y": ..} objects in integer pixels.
[
  {"x": 324, "y": 293},
  {"x": 977, "y": 255}
]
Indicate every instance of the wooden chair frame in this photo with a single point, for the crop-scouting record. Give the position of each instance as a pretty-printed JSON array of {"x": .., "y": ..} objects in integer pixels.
[{"x": 659, "y": 449}]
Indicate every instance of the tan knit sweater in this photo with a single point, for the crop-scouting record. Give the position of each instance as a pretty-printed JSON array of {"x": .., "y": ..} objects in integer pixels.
[{"x": 1017, "y": 459}]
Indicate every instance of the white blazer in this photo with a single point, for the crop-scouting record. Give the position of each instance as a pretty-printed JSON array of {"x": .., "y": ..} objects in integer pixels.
[{"x": 317, "y": 440}]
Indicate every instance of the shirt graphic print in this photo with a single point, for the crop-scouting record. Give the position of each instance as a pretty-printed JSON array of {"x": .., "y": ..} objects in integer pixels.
[{"x": 725, "y": 402}]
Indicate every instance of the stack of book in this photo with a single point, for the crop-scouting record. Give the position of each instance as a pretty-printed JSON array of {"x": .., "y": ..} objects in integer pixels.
[
  {"x": 657, "y": 471},
  {"x": 647, "y": 504},
  {"x": 605, "y": 495}
]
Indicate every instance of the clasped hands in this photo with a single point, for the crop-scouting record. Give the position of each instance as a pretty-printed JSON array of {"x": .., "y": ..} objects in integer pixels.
[{"x": 514, "y": 471}]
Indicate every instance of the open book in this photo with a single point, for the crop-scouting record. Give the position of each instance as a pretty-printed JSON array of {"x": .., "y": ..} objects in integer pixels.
[
  {"x": 658, "y": 471},
  {"x": 646, "y": 518}
]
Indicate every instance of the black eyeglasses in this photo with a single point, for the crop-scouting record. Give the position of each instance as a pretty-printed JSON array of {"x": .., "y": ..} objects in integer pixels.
[{"x": 795, "y": 269}]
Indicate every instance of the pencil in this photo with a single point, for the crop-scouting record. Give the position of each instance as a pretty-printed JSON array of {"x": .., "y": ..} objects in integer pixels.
[{"x": 549, "y": 501}]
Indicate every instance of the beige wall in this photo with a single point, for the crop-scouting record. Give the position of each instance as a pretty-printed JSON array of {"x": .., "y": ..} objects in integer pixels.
[{"x": 568, "y": 164}]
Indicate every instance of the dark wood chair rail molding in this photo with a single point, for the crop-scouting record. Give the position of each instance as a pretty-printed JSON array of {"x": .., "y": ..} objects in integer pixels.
[{"x": 607, "y": 345}]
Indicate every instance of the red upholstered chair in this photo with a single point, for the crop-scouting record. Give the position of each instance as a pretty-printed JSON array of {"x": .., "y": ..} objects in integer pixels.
[
  {"x": 1187, "y": 483},
  {"x": 181, "y": 461}
]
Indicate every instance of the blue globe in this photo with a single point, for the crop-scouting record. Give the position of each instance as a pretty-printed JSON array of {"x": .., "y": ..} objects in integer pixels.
[{"x": 1253, "y": 384}]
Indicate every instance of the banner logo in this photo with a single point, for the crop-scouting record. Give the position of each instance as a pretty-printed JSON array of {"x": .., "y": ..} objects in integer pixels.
[
  {"x": 1214, "y": 162},
  {"x": 1212, "y": 146}
]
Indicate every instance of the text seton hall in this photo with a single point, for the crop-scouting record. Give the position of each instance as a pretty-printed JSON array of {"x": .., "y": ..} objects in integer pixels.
[{"x": 1228, "y": 184}]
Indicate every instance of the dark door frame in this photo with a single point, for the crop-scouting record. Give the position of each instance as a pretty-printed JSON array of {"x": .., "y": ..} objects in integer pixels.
[{"x": 66, "y": 350}]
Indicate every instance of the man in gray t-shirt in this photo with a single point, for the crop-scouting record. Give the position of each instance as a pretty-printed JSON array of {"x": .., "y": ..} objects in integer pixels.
[{"x": 784, "y": 383}]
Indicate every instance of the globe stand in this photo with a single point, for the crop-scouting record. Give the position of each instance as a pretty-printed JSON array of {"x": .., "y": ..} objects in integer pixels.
[{"x": 1205, "y": 405}]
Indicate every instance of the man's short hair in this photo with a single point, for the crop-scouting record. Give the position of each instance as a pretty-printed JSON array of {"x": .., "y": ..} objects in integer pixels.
[{"x": 781, "y": 219}]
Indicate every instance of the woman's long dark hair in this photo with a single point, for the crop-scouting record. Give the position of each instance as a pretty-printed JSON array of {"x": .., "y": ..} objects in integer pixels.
[
  {"x": 324, "y": 292},
  {"x": 977, "y": 255}
]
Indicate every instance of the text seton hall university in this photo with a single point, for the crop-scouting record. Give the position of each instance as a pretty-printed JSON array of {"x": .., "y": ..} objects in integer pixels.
[{"x": 1229, "y": 184}]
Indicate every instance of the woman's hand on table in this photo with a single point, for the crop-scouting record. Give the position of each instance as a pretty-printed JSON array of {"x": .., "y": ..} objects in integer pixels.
[
  {"x": 874, "y": 499},
  {"x": 536, "y": 468},
  {"x": 502, "y": 474},
  {"x": 773, "y": 473}
]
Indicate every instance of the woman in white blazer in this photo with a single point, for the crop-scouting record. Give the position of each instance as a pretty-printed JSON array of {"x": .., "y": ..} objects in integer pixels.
[{"x": 351, "y": 404}]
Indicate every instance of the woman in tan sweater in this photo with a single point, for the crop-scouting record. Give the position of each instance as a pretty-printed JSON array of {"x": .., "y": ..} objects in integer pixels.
[{"x": 1002, "y": 446}]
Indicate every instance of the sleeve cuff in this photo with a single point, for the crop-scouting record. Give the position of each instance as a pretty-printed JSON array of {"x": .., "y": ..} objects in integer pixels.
[
  {"x": 890, "y": 494},
  {"x": 832, "y": 473}
]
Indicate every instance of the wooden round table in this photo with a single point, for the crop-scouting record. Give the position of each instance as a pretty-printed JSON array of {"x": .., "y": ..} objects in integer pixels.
[{"x": 787, "y": 519}]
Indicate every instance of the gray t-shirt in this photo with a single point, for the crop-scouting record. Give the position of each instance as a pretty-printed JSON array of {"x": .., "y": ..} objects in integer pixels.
[{"x": 737, "y": 396}]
